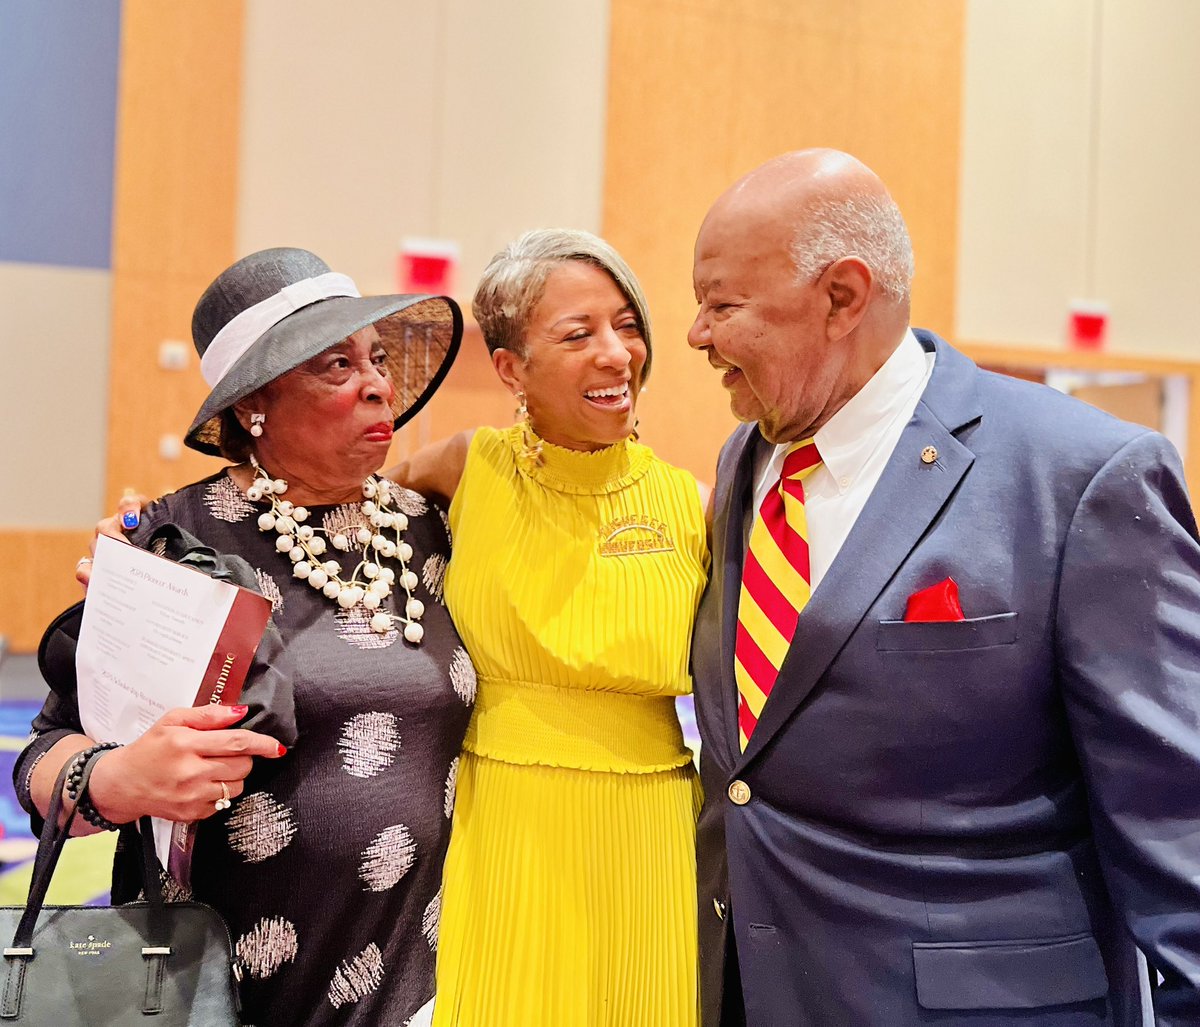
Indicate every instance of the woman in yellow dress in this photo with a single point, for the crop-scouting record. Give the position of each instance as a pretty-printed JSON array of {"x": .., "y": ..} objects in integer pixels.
[{"x": 569, "y": 895}]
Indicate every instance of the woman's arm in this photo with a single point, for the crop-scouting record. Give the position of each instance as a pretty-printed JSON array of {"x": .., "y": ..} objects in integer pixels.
[
  {"x": 706, "y": 501},
  {"x": 174, "y": 771},
  {"x": 435, "y": 470},
  {"x": 45, "y": 773}
]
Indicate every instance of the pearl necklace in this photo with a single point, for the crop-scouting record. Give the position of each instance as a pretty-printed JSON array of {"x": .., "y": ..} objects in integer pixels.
[{"x": 304, "y": 547}]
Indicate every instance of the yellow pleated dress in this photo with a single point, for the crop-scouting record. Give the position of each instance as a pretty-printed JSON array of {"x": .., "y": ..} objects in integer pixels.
[{"x": 569, "y": 896}]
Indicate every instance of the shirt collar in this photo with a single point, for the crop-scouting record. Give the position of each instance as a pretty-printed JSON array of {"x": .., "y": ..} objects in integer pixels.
[{"x": 849, "y": 437}]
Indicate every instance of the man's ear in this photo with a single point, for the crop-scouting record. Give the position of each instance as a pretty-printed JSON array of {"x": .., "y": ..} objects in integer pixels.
[
  {"x": 848, "y": 282},
  {"x": 510, "y": 367}
]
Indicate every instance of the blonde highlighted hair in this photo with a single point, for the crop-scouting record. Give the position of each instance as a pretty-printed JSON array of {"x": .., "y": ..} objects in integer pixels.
[{"x": 515, "y": 279}]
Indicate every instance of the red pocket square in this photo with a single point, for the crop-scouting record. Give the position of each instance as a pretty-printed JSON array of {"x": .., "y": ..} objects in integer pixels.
[{"x": 936, "y": 603}]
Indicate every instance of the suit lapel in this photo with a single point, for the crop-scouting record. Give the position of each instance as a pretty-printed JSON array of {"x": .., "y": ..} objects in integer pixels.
[
  {"x": 907, "y": 499},
  {"x": 729, "y": 548}
]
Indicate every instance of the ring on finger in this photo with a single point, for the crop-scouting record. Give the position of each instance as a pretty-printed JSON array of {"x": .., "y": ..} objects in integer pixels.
[
  {"x": 224, "y": 802},
  {"x": 81, "y": 561}
]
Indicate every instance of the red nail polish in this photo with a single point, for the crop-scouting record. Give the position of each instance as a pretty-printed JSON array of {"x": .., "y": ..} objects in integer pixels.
[
  {"x": 241, "y": 711},
  {"x": 283, "y": 750}
]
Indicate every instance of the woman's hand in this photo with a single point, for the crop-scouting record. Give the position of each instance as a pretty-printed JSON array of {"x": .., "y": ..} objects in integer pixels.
[
  {"x": 127, "y": 517},
  {"x": 175, "y": 770}
]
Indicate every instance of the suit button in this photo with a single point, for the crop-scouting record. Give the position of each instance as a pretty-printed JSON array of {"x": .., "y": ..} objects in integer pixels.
[
  {"x": 719, "y": 909},
  {"x": 739, "y": 793}
]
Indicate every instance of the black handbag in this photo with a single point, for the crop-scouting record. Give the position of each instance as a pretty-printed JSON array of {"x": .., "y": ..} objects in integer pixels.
[{"x": 151, "y": 963}]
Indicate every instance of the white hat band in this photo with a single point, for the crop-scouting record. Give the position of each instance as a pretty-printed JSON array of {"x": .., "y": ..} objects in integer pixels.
[{"x": 243, "y": 330}]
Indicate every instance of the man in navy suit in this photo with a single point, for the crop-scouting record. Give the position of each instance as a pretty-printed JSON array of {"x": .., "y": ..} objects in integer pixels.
[{"x": 973, "y": 793}]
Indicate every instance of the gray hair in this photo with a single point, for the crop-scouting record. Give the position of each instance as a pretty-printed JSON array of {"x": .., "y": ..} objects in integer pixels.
[
  {"x": 868, "y": 227},
  {"x": 514, "y": 281}
]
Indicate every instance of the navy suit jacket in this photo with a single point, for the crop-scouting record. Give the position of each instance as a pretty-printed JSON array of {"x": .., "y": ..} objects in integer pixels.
[{"x": 975, "y": 822}]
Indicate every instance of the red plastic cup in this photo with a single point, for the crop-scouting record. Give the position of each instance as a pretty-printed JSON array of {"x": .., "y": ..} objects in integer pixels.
[
  {"x": 427, "y": 265},
  {"x": 1088, "y": 324}
]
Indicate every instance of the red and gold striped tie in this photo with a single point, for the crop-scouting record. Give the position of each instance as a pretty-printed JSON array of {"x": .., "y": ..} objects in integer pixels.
[{"x": 775, "y": 586}]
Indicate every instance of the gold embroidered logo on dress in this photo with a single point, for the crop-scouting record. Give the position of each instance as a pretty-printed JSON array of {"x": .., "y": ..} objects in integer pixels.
[{"x": 634, "y": 536}]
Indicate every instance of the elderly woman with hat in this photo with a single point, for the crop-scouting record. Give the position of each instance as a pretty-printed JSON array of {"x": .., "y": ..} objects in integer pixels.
[
  {"x": 326, "y": 860},
  {"x": 580, "y": 558}
]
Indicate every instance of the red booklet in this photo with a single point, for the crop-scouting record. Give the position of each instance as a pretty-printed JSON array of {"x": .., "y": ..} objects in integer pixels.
[
  {"x": 223, "y": 681},
  {"x": 235, "y": 649}
]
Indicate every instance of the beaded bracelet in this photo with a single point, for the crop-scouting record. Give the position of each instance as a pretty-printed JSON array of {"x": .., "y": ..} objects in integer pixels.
[
  {"x": 75, "y": 776},
  {"x": 94, "y": 817}
]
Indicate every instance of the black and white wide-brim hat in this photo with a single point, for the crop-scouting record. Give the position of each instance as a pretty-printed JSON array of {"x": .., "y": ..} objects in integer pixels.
[{"x": 275, "y": 309}]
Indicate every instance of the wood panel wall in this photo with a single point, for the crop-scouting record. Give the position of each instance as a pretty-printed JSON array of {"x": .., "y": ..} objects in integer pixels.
[
  {"x": 700, "y": 91},
  {"x": 175, "y": 222},
  {"x": 39, "y": 566},
  {"x": 174, "y": 211}
]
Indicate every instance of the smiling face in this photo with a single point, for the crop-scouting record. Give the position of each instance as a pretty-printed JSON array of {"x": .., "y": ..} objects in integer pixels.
[
  {"x": 763, "y": 329},
  {"x": 328, "y": 421},
  {"x": 582, "y": 360}
]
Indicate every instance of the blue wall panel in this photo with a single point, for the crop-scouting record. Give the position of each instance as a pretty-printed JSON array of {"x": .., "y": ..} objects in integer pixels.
[{"x": 58, "y": 111}]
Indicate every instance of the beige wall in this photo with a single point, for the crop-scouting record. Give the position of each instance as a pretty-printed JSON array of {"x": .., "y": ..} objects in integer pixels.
[
  {"x": 1026, "y": 197},
  {"x": 1147, "y": 216},
  {"x": 1078, "y": 150},
  {"x": 54, "y": 355},
  {"x": 462, "y": 119},
  {"x": 53, "y": 422}
]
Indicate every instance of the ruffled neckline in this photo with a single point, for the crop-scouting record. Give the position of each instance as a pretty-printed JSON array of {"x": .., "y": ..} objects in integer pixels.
[{"x": 579, "y": 472}]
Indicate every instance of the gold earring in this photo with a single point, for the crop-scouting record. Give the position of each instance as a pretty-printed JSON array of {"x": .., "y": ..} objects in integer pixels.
[
  {"x": 633, "y": 435},
  {"x": 531, "y": 445}
]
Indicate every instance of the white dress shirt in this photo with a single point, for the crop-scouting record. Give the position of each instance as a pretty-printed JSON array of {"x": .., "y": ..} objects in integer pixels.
[{"x": 855, "y": 445}]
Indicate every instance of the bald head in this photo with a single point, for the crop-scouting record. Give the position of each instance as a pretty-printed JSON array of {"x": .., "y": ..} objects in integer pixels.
[
  {"x": 792, "y": 178},
  {"x": 825, "y": 205},
  {"x": 801, "y": 272}
]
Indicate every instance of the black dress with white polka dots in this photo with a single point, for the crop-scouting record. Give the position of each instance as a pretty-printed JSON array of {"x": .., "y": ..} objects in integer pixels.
[{"x": 328, "y": 867}]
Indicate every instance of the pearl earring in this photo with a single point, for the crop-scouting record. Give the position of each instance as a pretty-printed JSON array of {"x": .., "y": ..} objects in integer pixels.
[{"x": 256, "y": 424}]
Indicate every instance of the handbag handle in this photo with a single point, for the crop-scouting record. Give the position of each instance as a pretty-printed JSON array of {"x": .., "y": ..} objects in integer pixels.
[{"x": 50, "y": 845}]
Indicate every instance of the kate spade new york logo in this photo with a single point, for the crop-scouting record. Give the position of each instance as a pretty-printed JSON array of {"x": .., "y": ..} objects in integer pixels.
[
  {"x": 635, "y": 535},
  {"x": 92, "y": 947}
]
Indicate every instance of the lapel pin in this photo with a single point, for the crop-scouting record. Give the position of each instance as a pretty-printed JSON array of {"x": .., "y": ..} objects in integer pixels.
[{"x": 929, "y": 454}]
